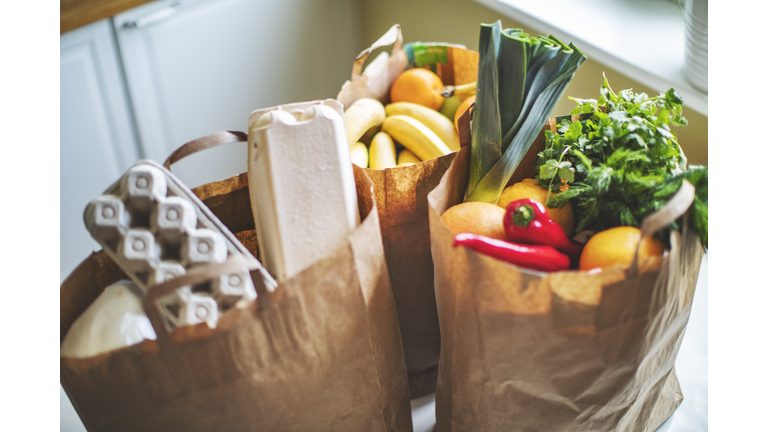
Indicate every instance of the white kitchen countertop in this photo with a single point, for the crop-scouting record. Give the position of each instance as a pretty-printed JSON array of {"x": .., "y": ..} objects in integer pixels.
[{"x": 691, "y": 367}]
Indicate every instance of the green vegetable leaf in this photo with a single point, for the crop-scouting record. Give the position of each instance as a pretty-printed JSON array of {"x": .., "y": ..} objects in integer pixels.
[
  {"x": 520, "y": 79},
  {"x": 549, "y": 169},
  {"x": 565, "y": 171},
  {"x": 486, "y": 129},
  {"x": 623, "y": 163},
  {"x": 673, "y": 98},
  {"x": 574, "y": 132}
]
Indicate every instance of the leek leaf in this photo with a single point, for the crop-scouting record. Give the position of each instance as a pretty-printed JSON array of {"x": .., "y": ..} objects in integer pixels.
[
  {"x": 519, "y": 81},
  {"x": 548, "y": 71},
  {"x": 486, "y": 130},
  {"x": 512, "y": 64},
  {"x": 490, "y": 187}
]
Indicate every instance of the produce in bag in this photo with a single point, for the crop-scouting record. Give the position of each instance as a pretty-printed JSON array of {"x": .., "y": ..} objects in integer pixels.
[
  {"x": 617, "y": 160},
  {"x": 113, "y": 321},
  {"x": 593, "y": 350},
  {"x": 417, "y": 132},
  {"x": 542, "y": 258},
  {"x": 382, "y": 152},
  {"x": 520, "y": 78},
  {"x": 526, "y": 221}
]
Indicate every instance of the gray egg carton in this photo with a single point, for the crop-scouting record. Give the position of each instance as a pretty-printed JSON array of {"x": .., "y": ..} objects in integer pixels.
[{"x": 156, "y": 229}]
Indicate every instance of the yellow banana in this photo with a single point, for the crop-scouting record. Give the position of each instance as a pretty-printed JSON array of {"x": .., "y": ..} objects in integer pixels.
[
  {"x": 382, "y": 152},
  {"x": 362, "y": 115},
  {"x": 406, "y": 156},
  {"x": 435, "y": 121},
  {"x": 414, "y": 136},
  {"x": 465, "y": 89},
  {"x": 369, "y": 134},
  {"x": 359, "y": 155}
]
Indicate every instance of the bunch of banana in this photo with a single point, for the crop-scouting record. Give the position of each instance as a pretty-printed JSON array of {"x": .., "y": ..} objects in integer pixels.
[
  {"x": 460, "y": 90},
  {"x": 375, "y": 132}
]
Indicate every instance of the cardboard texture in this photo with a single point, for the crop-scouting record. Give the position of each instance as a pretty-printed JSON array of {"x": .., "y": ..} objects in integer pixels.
[
  {"x": 291, "y": 163},
  {"x": 136, "y": 209},
  {"x": 568, "y": 351},
  {"x": 320, "y": 353},
  {"x": 401, "y": 198}
]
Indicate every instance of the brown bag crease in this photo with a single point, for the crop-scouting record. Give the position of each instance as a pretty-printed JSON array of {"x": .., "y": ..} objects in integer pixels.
[
  {"x": 564, "y": 352},
  {"x": 401, "y": 197},
  {"x": 326, "y": 356}
]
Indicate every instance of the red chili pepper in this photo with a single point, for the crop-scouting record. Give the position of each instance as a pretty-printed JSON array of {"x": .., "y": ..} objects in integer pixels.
[
  {"x": 526, "y": 221},
  {"x": 542, "y": 258}
]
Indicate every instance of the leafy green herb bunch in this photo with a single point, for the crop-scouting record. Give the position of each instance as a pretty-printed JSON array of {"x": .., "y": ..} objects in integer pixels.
[{"x": 620, "y": 161}]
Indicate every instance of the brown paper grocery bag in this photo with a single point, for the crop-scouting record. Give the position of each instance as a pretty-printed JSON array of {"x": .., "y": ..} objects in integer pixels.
[
  {"x": 401, "y": 198},
  {"x": 567, "y": 351},
  {"x": 320, "y": 353}
]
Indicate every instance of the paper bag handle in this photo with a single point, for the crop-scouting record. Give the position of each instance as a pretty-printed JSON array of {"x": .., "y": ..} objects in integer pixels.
[
  {"x": 194, "y": 276},
  {"x": 673, "y": 209},
  {"x": 206, "y": 142},
  {"x": 177, "y": 367},
  {"x": 393, "y": 36}
]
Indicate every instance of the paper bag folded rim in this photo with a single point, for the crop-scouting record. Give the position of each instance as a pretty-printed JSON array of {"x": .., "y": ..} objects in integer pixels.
[
  {"x": 401, "y": 197},
  {"x": 326, "y": 356}
]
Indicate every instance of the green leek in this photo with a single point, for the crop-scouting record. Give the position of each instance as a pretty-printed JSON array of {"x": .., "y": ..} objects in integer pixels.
[
  {"x": 486, "y": 141},
  {"x": 519, "y": 81}
]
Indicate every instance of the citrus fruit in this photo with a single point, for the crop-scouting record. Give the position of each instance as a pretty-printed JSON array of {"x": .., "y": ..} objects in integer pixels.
[
  {"x": 528, "y": 188},
  {"x": 476, "y": 218},
  {"x": 419, "y": 86},
  {"x": 616, "y": 246},
  {"x": 463, "y": 107}
]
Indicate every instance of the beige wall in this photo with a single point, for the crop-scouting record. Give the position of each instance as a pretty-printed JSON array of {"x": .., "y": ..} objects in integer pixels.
[{"x": 458, "y": 21}]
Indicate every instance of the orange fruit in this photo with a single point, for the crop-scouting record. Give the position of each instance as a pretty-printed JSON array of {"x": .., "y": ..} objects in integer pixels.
[
  {"x": 616, "y": 247},
  {"x": 419, "y": 86},
  {"x": 476, "y": 218},
  {"x": 528, "y": 188},
  {"x": 463, "y": 107}
]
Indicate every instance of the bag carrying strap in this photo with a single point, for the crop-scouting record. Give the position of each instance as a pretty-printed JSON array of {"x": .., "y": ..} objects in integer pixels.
[
  {"x": 194, "y": 276},
  {"x": 178, "y": 369},
  {"x": 393, "y": 36},
  {"x": 206, "y": 142},
  {"x": 175, "y": 363},
  {"x": 673, "y": 209}
]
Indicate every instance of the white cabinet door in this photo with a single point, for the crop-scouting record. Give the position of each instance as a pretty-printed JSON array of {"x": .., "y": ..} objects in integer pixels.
[
  {"x": 97, "y": 145},
  {"x": 195, "y": 67},
  {"x": 97, "y": 136}
]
